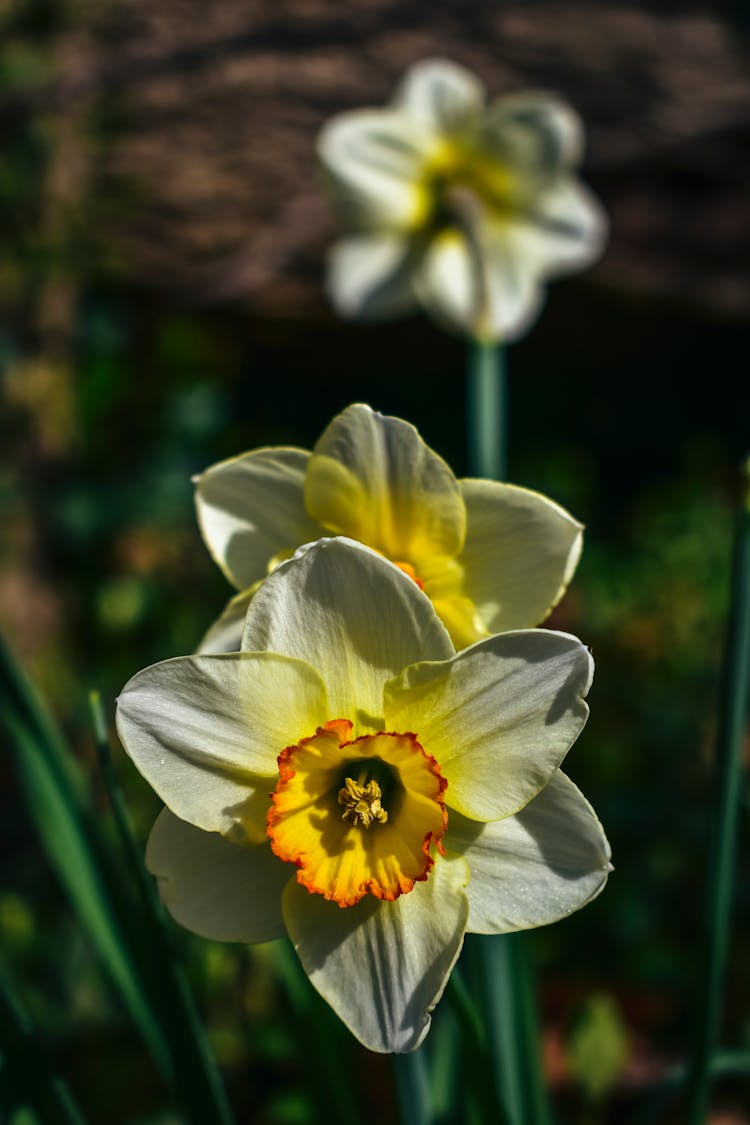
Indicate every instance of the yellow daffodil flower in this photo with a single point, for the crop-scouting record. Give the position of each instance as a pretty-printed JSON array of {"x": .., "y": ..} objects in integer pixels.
[
  {"x": 348, "y": 779},
  {"x": 490, "y": 556},
  {"x": 464, "y": 208}
]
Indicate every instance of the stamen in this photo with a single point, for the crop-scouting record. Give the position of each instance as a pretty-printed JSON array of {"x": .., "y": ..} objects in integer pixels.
[{"x": 362, "y": 803}]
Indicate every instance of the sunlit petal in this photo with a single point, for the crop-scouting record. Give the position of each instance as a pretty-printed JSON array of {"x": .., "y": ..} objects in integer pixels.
[
  {"x": 205, "y": 732},
  {"x": 520, "y": 553},
  {"x": 371, "y": 477},
  {"x": 499, "y": 717},
  {"x": 351, "y": 615},
  {"x": 535, "y": 867},
  {"x": 382, "y": 966},
  {"x": 251, "y": 508}
]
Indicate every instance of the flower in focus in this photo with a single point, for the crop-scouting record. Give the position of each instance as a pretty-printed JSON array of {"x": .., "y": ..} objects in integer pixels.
[
  {"x": 490, "y": 556},
  {"x": 463, "y": 207},
  {"x": 348, "y": 779}
]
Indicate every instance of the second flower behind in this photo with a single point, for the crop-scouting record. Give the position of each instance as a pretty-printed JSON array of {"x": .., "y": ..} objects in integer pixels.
[{"x": 490, "y": 556}]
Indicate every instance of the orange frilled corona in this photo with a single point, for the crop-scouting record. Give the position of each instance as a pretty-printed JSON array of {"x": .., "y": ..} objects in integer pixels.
[{"x": 357, "y": 816}]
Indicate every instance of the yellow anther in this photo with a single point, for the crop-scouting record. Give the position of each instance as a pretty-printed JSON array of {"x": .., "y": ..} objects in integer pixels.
[{"x": 362, "y": 803}]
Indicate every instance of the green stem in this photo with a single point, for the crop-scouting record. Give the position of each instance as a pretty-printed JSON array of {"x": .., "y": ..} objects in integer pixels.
[
  {"x": 500, "y": 965},
  {"x": 724, "y": 817},
  {"x": 481, "y": 1095},
  {"x": 487, "y": 411},
  {"x": 512, "y": 1027}
]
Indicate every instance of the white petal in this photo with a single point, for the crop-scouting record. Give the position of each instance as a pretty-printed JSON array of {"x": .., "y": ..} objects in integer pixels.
[
  {"x": 514, "y": 292},
  {"x": 370, "y": 276},
  {"x": 372, "y": 478},
  {"x": 225, "y": 634},
  {"x": 535, "y": 867},
  {"x": 487, "y": 290},
  {"x": 535, "y": 135},
  {"x": 448, "y": 284},
  {"x": 223, "y": 891},
  {"x": 251, "y": 508},
  {"x": 441, "y": 96},
  {"x": 353, "y": 616},
  {"x": 499, "y": 717},
  {"x": 375, "y": 161},
  {"x": 205, "y": 732},
  {"x": 563, "y": 229},
  {"x": 382, "y": 966},
  {"x": 520, "y": 553}
]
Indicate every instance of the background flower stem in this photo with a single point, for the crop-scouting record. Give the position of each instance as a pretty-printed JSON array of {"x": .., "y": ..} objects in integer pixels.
[
  {"x": 499, "y": 964},
  {"x": 724, "y": 817},
  {"x": 487, "y": 411}
]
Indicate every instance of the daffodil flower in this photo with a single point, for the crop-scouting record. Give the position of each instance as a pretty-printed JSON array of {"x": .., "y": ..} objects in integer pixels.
[
  {"x": 462, "y": 207},
  {"x": 490, "y": 556},
  {"x": 347, "y": 779}
]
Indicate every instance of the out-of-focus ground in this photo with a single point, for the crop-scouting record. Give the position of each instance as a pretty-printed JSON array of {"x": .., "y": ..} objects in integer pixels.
[{"x": 162, "y": 238}]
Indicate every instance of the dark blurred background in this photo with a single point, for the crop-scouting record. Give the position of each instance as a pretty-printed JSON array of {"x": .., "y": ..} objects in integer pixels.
[{"x": 162, "y": 239}]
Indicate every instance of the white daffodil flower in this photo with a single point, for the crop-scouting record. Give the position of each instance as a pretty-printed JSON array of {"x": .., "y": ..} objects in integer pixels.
[
  {"x": 462, "y": 207},
  {"x": 490, "y": 556},
  {"x": 348, "y": 779}
]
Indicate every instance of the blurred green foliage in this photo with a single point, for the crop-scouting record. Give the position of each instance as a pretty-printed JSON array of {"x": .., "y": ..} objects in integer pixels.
[{"x": 598, "y": 1046}]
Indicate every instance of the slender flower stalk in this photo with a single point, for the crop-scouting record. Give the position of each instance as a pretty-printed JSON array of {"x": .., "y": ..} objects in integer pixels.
[
  {"x": 724, "y": 817},
  {"x": 507, "y": 984},
  {"x": 487, "y": 411}
]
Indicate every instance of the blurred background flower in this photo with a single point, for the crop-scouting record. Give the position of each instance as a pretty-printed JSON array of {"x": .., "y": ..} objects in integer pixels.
[{"x": 462, "y": 207}]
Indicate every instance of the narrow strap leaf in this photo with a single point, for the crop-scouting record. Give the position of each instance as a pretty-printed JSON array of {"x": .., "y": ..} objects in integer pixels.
[
  {"x": 724, "y": 815},
  {"x": 196, "y": 1079}
]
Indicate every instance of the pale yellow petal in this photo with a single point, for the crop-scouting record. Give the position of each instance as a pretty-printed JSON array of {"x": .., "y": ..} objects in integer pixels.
[
  {"x": 382, "y": 966},
  {"x": 535, "y": 867},
  {"x": 251, "y": 508},
  {"x": 372, "y": 478},
  {"x": 520, "y": 553},
  {"x": 220, "y": 890},
  {"x": 354, "y": 617},
  {"x": 499, "y": 717},
  {"x": 205, "y": 732}
]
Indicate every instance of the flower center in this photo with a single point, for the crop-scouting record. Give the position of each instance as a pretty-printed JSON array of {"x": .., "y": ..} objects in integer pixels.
[
  {"x": 461, "y": 176},
  {"x": 362, "y": 803},
  {"x": 357, "y": 816}
]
